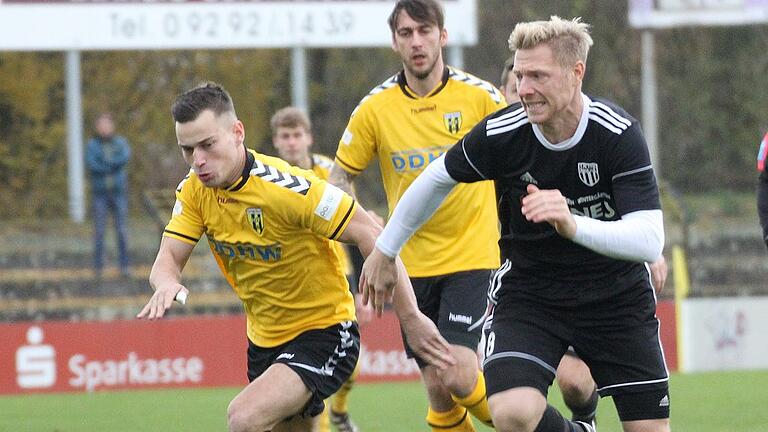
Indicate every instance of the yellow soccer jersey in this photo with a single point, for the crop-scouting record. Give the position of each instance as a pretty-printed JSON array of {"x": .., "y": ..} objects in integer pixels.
[
  {"x": 271, "y": 234},
  {"x": 407, "y": 132},
  {"x": 321, "y": 166}
]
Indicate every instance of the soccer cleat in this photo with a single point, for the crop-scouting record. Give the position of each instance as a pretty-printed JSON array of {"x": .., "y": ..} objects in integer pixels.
[
  {"x": 342, "y": 422},
  {"x": 587, "y": 426}
]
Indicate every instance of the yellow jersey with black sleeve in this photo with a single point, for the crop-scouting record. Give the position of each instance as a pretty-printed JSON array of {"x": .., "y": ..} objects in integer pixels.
[
  {"x": 272, "y": 235},
  {"x": 321, "y": 166},
  {"x": 406, "y": 132}
]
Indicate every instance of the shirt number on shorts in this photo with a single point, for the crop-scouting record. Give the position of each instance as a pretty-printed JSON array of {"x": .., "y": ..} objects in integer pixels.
[{"x": 489, "y": 344}]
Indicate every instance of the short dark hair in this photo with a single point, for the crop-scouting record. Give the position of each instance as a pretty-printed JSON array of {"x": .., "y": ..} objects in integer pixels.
[
  {"x": 425, "y": 11},
  {"x": 206, "y": 96}
]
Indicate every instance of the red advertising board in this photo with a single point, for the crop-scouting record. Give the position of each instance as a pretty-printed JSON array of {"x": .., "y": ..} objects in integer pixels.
[{"x": 181, "y": 352}]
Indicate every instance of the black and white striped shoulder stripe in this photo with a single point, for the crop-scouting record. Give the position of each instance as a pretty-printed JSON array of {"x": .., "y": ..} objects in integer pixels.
[
  {"x": 280, "y": 178},
  {"x": 475, "y": 81},
  {"x": 323, "y": 162},
  {"x": 608, "y": 118},
  {"x": 391, "y": 82},
  {"x": 506, "y": 122}
]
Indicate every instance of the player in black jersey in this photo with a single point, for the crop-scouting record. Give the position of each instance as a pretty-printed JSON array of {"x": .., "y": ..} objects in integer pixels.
[{"x": 580, "y": 216}]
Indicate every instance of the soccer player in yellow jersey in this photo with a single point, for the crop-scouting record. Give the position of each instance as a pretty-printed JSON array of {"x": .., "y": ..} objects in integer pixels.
[
  {"x": 407, "y": 121},
  {"x": 271, "y": 228},
  {"x": 292, "y": 138}
]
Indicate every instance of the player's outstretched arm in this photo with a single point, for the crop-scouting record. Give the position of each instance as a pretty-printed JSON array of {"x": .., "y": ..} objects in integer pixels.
[
  {"x": 394, "y": 287},
  {"x": 165, "y": 277}
]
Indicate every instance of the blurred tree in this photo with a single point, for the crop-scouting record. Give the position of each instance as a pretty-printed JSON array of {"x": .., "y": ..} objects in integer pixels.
[{"x": 711, "y": 99}]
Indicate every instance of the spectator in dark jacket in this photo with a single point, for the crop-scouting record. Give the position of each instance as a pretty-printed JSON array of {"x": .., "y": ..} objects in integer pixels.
[{"x": 106, "y": 156}]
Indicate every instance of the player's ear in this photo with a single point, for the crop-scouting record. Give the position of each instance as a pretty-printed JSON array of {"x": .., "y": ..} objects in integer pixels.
[
  {"x": 443, "y": 38},
  {"x": 239, "y": 130},
  {"x": 578, "y": 70}
]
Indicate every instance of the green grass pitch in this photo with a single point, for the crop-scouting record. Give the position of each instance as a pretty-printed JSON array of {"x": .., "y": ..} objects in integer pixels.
[{"x": 706, "y": 402}]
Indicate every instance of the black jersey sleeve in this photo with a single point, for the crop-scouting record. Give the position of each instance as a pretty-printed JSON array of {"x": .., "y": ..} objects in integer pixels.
[{"x": 634, "y": 183}]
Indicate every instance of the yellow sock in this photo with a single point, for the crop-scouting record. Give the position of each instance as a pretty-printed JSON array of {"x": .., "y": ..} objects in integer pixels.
[
  {"x": 455, "y": 420},
  {"x": 323, "y": 420},
  {"x": 339, "y": 404},
  {"x": 476, "y": 402}
]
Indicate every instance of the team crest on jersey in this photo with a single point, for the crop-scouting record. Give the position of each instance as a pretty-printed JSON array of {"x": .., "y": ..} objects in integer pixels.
[
  {"x": 588, "y": 173},
  {"x": 452, "y": 121},
  {"x": 256, "y": 218}
]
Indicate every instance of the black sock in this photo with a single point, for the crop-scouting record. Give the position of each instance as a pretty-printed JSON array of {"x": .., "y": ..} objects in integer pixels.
[
  {"x": 553, "y": 421},
  {"x": 585, "y": 412}
]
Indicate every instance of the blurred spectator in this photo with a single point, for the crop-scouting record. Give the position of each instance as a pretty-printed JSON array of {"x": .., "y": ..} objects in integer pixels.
[
  {"x": 762, "y": 187},
  {"x": 106, "y": 157}
]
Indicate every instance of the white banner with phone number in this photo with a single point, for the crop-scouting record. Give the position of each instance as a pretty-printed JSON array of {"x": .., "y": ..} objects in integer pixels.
[{"x": 28, "y": 25}]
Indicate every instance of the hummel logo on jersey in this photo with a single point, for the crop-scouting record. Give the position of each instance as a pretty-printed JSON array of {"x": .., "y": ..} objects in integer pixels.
[
  {"x": 588, "y": 173},
  {"x": 452, "y": 121},
  {"x": 286, "y": 180},
  {"x": 459, "y": 318},
  {"x": 285, "y": 356},
  {"x": 664, "y": 401},
  {"x": 256, "y": 218},
  {"x": 528, "y": 178}
]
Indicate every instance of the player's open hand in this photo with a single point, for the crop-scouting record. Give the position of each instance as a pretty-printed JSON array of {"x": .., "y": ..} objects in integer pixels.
[
  {"x": 162, "y": 300},
  {"x": 425, "y": 340},
  {"x": 549, "y": 205},
  {"x": 377, "y": 280}
]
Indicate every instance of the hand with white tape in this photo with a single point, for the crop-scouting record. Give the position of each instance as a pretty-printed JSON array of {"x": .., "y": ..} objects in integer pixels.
[{"x": 162, "y": 300}]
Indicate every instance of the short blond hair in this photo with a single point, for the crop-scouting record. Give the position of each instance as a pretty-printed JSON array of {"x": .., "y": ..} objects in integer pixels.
[
  {"x": 569, "y": 40},
  {"x": 290, "y": 117}
]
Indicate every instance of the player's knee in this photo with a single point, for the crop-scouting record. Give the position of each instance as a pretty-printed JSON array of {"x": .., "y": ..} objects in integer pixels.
[
  {"x": 575, "y": 390},
  {"x": 515, "y": 412},
  {"x": 241, "y": 418},
  {"x": 461, "y": 378}
]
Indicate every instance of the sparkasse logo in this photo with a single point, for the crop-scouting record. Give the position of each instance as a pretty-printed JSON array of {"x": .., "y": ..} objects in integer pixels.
[{"x": 35, "y": 363}]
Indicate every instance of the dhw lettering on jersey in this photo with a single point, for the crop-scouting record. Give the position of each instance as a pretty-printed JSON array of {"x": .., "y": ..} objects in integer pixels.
[
  {"x": 273, "y": 252},
  {"x": 412, "y": 160}
]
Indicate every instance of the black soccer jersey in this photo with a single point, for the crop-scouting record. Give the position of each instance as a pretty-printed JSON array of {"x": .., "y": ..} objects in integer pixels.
[{"x": 603, "y": 171}]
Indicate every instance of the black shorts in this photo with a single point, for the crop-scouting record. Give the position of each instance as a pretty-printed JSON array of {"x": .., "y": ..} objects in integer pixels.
[
  {"x": 456, "y": 303},
  {"x": 324, "y": 359},
  {"x": 610, "y": 323}
]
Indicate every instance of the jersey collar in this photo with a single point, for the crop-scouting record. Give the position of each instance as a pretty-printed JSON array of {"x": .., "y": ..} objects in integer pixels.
[
  {"x": 408, "y": 92},
  {"x": 245, "y": 174},
  {"x": 572, "y": 141}
]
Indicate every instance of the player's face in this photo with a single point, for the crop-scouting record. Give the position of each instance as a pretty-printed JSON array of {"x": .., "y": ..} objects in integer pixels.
[
  {"x": 510, "y": 89},
  {"x": 419, "y": 44},
  {"x": 547, "y": 89},
  {"x": 292, "y": 144},
  {"x": 213, "y": 147}
]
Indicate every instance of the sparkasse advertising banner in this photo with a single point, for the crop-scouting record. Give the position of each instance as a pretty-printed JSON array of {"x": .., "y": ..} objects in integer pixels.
[{"x": 180, "y": 352}]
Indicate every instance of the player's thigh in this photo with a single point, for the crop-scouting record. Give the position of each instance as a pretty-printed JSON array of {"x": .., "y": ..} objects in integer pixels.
[
  {"x": 657, "y": 425},
  {"x": 573, "y": 373},
  {"x": 523, "y": 347},
  {"x": 463, "y": 303},
  {"x": 624, "y": 353},
  {"x": 278, "y": 393},
  {"x": 323, "y": 359}
]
